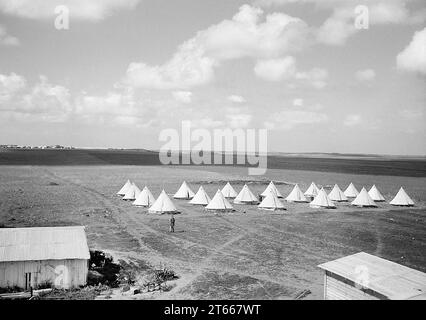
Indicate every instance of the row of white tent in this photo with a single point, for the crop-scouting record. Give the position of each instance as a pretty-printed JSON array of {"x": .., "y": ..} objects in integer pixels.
[{"x": 318, "y": 198}]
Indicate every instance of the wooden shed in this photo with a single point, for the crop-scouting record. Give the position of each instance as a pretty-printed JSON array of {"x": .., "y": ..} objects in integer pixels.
[
  {"x": 362, "y": 276},
  {"x": 32, "y": 257}
]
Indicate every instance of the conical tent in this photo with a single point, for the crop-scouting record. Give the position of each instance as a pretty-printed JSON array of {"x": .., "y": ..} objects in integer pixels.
[
  {"x": 228, "y": 191},
  {"x": 184, "y": 192},
  {"x": 312, "y": 190},
  {"x": 246, "y": 197},
  {"x": 219, "y": 203},
  {"x": 201, "y": 197},
  {"x": 296, "y": 195},
  {"x": 363, "y": 199},
  {"x": 322, "y": 201},
  {"x": 132, "y": 193},
  {"x": 163, "y": 204},
  {"x": 337, "y": 195},
  {"x": 145, "y": 198},
  {"x": 351, "y": 191},
  {"x": 271, "y": 202},
  {"x": 402, "y": 199},
  {"x": 375, "y": 194},
  {"x": 124, "y": 188},
  {"x": 271, "y": 187}
]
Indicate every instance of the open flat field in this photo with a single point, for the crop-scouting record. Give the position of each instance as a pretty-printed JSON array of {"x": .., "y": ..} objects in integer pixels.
[
  {"x": 351, "y": 164},
  {"x": 241, "y": 255}
]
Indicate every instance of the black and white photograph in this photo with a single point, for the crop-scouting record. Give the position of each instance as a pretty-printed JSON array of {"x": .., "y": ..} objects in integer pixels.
[{"x": 221, "y": 152}]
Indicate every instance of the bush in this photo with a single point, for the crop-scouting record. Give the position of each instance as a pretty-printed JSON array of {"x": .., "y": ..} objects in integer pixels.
[
  {"x": 167, "y": 287},
  {"x": 11, "y": 289},
  {"x": 86, "y": 293},
  {"x": 104, "y": 265},
  {"x": 164, "y": 274},
  {"x": 45, "y": 285},
  {"x": 127, "y": 276}
]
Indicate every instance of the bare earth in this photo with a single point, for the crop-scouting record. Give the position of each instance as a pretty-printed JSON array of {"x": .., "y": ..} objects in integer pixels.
[{"x": 249, "y": 254}]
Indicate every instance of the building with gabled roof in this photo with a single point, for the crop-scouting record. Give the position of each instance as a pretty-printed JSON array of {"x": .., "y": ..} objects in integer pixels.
[{"x": 30, "y": 257}]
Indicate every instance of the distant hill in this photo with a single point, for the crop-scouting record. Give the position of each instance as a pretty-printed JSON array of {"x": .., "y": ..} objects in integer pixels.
[
  {"x": 348, "y": 155},
  {"x": 77, "y": 157},
  {"x": 376, "y": 165}
]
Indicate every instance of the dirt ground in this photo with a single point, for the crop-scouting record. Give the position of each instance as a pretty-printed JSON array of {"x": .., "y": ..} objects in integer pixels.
[{"x": 249, "y": 254}]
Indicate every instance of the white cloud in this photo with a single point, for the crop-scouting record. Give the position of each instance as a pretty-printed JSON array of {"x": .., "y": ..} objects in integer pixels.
[
  {"x": 298, "y": 102},
  {"x": 288, "y": 119},
  {"x": 238, "y": 117},
  {"x": 236, "y": 99},
  {"x": 116, "y": 108},
  {"x": 275, "y": 69},
  {"x": 93, "y": 10},
  {"x": 285, "y": 69},
  {"x": 340, "y": 25},
  {"x": 48, "y": 102},
  {"x": 43, "y": 101},
  {"x": 239, "y": 120},
  {"x": 7, "y": 40},
  {"x": 413, "y": 57},
  {"x": 268, "y": 3},
  {"x": 365, "y": 75},
  {"x": 112, "y": 103},
  {"x": 386, "y": 12},
  {"x": 332, "y": 4},
  {"x": 352, "y": 120},
  {"x": 243, "y": 36},
  {"x": 188, "y": 67},
  {"x": 9, "y": 85},
  {"x": 207, "y": 123},
  {"x": 182, "y": 96},
  {"x": 337, "y": 28},
  {"x": 52, "y": 102},
  {"x": 317, "y": 77}
]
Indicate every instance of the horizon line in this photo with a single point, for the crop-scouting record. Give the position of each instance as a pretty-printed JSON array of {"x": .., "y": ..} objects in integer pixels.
[{"x": 214, "y": 151}]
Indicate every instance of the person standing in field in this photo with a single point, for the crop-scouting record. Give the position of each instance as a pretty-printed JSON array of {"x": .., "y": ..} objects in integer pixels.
[{"x": 172, "y": 224}]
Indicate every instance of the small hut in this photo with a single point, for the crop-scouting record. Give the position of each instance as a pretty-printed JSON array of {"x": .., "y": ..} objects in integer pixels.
[
  {"x": 31, "y": 257},
  {"x": 362, "y": 276}
]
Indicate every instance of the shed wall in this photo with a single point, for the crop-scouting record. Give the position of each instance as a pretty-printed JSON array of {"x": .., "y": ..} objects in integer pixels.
[
  {"x": 64, "y": 274},
  {"x": 338, "y": 290}
]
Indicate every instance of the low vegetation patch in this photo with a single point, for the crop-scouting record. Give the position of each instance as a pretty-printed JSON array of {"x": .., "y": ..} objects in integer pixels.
[
  {"x": 10, "y": 290},
  {"x": 131, "y": 277},
  {"x": 45, "y": 285},
  {"x": 105, "y": 275},
  {"x": 85, "y": 293},
  {"x": 164, "y": 274},
  {"x": 103, "y": 270}
]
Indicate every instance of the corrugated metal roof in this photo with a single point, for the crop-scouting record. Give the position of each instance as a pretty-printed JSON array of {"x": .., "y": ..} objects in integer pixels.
[
  {"x": 388, "y": 278},
  {"x": 47, "y": 243}
]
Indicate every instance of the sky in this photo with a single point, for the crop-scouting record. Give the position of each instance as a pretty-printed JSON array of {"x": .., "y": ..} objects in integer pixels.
[{"x": 320, "y": 76}]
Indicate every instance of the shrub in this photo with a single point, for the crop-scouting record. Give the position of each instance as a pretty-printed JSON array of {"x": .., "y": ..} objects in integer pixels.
[
  {"x": 164, "y": 274},
  {"x": 104, "y": 264},
  {"x": 45, "y": 285},
  {"x": 11, "y": 289}
]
